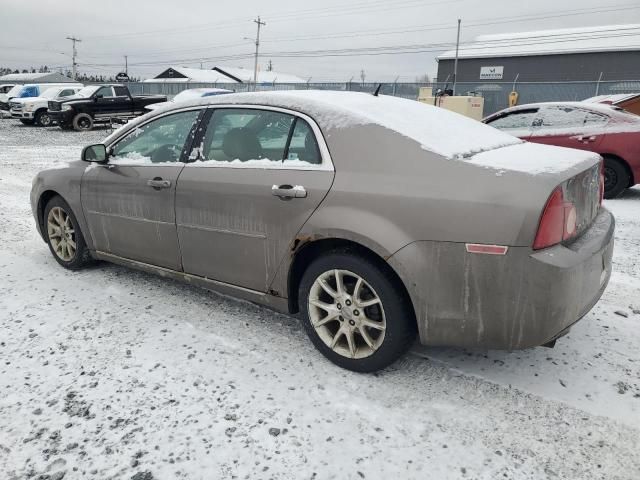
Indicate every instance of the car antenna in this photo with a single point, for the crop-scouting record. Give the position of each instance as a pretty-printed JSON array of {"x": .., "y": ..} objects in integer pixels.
[{"x": 375, "y": 94}]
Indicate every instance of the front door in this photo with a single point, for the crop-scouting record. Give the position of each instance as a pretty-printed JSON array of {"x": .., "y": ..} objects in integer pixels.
[
  {"x": 129, "y": 203},
  {"x": 260, "y": 174}
]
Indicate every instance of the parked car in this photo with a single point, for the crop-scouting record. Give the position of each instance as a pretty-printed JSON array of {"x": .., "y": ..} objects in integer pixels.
[
  {"x": 373, "y": 217},
  {"x": 99, "y": 104},
  {"x": 190, "y": 94},
  {"x": 603, "y": 129},
  {"x": 35, "y": 109},
  {"x": 29, "y": 90},
  {"x": 4, "y": 88}
]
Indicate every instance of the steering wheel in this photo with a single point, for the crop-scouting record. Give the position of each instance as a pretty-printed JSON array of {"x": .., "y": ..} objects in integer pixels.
[{"x": 166, "y": 153}]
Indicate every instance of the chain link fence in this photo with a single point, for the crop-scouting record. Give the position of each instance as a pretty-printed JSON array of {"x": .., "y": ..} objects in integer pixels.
[{"x": 496, "y": 94}]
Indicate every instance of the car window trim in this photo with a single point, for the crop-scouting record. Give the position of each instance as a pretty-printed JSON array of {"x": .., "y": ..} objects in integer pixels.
[
  {"x": 325, "y": 165},
  {"x": 186, "y": 149}
]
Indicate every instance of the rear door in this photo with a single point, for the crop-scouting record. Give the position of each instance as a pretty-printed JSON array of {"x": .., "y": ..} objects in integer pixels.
[
  {"x": 129, "y": 202},
  {"x": 124, "y": 103},
  {"x": 568, "y": 126},
  {"x": 518, "y": 123},
  {"x": 260, "y": 173}
]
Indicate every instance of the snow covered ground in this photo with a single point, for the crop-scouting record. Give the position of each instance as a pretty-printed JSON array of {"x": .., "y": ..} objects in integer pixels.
[{"x": 110, "y": 373}]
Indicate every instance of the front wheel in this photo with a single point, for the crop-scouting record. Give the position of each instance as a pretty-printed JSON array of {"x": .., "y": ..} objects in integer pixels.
[
  {"x": 43, "y": 119},
  {"x": 82, "y": 122},
  {"x": 355, "y": 313},
  {"x": 64, "y": 237},
  {"x": 616, "y": 178}
]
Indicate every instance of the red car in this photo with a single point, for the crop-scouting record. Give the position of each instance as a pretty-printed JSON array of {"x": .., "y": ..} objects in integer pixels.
[{"x": 604, "y": 129}]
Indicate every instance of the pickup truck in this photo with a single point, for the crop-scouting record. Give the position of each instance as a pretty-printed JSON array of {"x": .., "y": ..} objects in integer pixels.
[
  {"x": 99, "y": 104},
  {"x": 33, "y": 110}
]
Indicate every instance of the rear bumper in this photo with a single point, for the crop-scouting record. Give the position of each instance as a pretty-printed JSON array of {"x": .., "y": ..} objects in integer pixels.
[{"x": 520, "y": 300}]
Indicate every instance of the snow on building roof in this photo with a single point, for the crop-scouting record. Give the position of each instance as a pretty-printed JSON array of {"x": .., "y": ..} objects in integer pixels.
[
  {"x": 193, "y": 75},
  {"x": 611, "y": 38},
  {"x": 222, "y": 75},
  {"x": 47, "y": 77},
  {"x": 246, "y": 75}
]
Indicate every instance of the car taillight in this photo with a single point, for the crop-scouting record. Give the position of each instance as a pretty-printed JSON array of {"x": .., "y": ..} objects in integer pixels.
[{"x": 558, "y": 221}]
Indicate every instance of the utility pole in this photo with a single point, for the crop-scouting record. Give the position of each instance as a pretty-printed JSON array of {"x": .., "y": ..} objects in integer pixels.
[
  {"x": 255, "y": 65},
  {"x": 75, "y": 54},
  {"x": 126, "y": 64},
  {"x": 455, "y": 65}
]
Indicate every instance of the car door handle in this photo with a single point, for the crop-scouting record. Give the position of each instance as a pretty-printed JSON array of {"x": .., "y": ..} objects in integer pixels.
[
  {"x": 286, "y": 192},
  {"x": 585, "y": 139},
  {"x": 159, "y": 183}
]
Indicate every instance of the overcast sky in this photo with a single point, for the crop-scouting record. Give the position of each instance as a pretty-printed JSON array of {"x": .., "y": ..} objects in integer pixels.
[{"x": 184, "y": 32}]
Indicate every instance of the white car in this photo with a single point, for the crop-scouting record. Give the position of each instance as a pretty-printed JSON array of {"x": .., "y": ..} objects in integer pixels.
[
  {"x": 32, "y": 110},
  {"x": 190, "y": 95}
]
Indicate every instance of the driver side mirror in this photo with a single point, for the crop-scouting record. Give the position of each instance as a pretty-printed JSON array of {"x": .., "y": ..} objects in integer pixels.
[{"x": 95, "y": 153}]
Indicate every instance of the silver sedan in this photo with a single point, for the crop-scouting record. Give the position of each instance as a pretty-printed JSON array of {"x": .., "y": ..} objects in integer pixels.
[{"x": 374, "y": 218}]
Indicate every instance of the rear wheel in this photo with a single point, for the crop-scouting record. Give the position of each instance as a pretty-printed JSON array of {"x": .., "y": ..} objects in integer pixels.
[
  {"x": 354, "y": 312},
  {"x": 82, "y": 122},
  {"x": 26, "y": 121},
  {"x": 64, "y": 237},
  {"x": 43, "y": 119},
  {"x": 616, "y": 177}
]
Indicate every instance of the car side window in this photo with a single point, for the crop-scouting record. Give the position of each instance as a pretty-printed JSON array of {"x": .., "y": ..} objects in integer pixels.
[
  {"x": 522, "y": 119},
  {"x": 66, "y": 93},
  {"x": 243, "y": 135},
  {"x": 303, "y": 146},
  {"x": 105, "y": 92},
  {"x": 158, "y": 141},
  {"x": 562, "y": 117},
  {"x": 595, "y": 119},
  {"x": 121, "y": 91}
]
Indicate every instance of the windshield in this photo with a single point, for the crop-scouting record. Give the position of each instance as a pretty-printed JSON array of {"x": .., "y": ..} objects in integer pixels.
[
  {"x": 51, "y": 93},
  {"x": 186, "y": 95},
  {"x": 86, "y": 92},
  {"x": 14, "y": 91}
]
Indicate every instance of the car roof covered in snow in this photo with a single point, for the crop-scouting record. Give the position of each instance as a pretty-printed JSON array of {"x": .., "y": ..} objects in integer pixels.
[
  {"x": 437, "y": 130},
  {"x": 595, "y": 107}
]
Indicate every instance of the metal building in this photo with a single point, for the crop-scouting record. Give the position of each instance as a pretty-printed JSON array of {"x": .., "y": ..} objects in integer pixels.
[{"x": 576, "y": 54}]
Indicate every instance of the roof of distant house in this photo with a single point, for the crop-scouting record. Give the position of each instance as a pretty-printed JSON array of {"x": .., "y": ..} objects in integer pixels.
[
  {"x": 46, "y": 77},
  {"x": 222, "y": 75},
  {"x": 610, "y": 38}
]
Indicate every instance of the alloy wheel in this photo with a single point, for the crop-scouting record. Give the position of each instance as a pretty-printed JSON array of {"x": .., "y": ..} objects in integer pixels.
[
  {"x": 61, "y": 234},
  {"x": 45, "y": 120},
  {"x": 347, "y": 314}
]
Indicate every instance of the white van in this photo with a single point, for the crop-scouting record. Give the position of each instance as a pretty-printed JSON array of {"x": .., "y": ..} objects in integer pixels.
[
  {"x": 35, "y": 109},
  {"x": 30, "y": 90}
]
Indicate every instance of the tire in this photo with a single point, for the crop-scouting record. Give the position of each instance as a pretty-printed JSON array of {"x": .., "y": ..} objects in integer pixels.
[
  {"x": 43, "y": 119},
  {"x": 26, "y": 121},
  {"x": 82, "y": 122},
  {"x": 55, "y": 213},
  {"x": 616, "y": 177},
  {"x": 391, "y": 311}
]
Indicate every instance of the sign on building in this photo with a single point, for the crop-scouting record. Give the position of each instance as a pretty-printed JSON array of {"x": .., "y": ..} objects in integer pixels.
[{"x": 491, "y": 73}]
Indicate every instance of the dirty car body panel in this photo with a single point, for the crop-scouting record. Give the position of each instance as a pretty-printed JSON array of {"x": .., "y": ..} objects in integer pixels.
[{"x": 412, "y": 207}]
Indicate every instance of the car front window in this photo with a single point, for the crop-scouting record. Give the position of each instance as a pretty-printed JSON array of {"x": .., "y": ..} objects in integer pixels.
[
  {"x": 516, "y": 120},
  {"x": 159, "y": 141}
]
